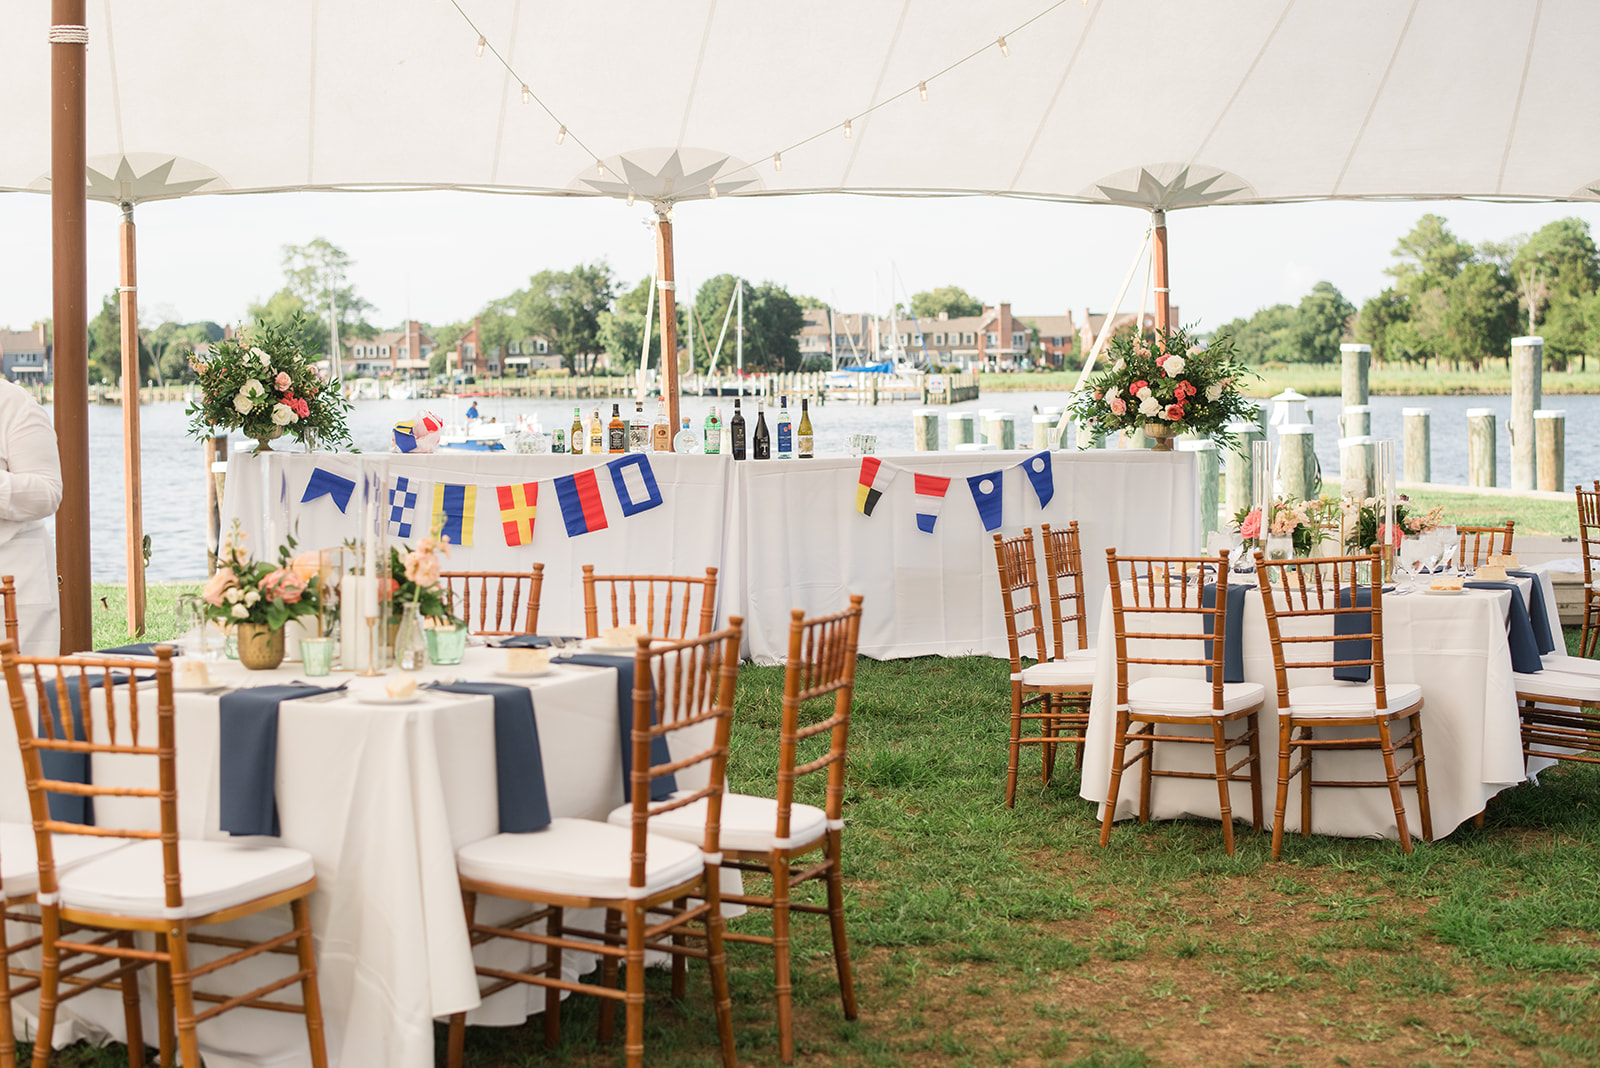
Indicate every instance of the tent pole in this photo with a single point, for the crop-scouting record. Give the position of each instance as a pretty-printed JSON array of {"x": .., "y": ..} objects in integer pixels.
[
  {"x": 132, "y": 473},
  {"x": 68, "y": 204},
  {"x": 1158, "y": 224},
  {"x": 669, "y": 317}
]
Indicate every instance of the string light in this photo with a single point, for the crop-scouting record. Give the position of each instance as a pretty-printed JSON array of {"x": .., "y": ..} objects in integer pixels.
[
  {"x": 561, "y": 135},
  {"x": 777, "y": 161},
  {"x": 711, "y": 187},
  {"x": 600, "y": 168},
  {"x": 1005, "y": 49},
  {"x": 630, "y": 197},
  {"x": 483, "y": 43},
  {"x": 847, "y": 129},
  {"x": 527, "y": 94},
  {"x": 922, "y": 88}
]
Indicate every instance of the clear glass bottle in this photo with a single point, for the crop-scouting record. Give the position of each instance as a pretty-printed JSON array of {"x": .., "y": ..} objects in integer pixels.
[
  {"x": 686, "y": 442},
  {"x": 639, "y": 429},
  {"x": 410, "y": 644},
  {"x": 806, "y": 439},
  {"x": 660, "y": 429},
  {"x": 578, "y": 433},
  {"x": 713, "y": 430},
  {"x": 785, "y": 430},
  {"x": 597, "y": 434}
]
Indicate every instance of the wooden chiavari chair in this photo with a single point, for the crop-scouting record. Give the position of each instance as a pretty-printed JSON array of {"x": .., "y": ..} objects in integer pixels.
[
  {"x": 1477, "y": 544},
  {"x": 1040, "y": 692},
  {"x": 767, "y": 835},
  {"x": 495, "y": 602},
  {"x": 1589, "y": 539},
  {"x": 8, "y": 602},
  {"x": 629, "y": 872},
  {"x": 1069, "y": 628},
  {"x": 156, "y": 883},
  {"x": 1166, "y": 595},
  {"x": 1311, "y": 596},
  {"x": 661, "y": 604}
]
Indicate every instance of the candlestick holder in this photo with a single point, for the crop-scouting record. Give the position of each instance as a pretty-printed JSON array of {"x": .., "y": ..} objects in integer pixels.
[{"x": 372, "y": 649}]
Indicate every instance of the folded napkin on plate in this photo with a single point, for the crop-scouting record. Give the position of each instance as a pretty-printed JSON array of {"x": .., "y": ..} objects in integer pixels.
[
  {"x": 139, "y": 649},
  {"x": 249, "y": 755},
  {"x": 1538, "y": 611},
  {"x": 1353, "y": 623},
  {"x": 1233, "y": 640},
  {"x": 663, "y": 786},
  {"x": 531, "y": 641},
  {"x": 519, "y": 765},
  {"x": 71, "y": 767},
  {"x": 1519, "y": 628}
]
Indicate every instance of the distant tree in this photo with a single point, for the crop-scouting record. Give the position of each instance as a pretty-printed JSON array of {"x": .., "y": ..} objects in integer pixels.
[
  {"x": 1268, "y": 336},
  {"x": 1555, "y": 271},
  {"x": 810, "y": 303},
  {"x": 1380, "y": 323},
  {"x": 317, "y": 273},
  {"x": 1319, "y": 324},
  {"x": 499, "y": 324},
  {"x": 281, "y": 309},
  {"x": 952, "y": 300},
  {"x": 711, "y": 303},
  {"x": 1479, "y": 316},
  {"x": 105, "y": 345},
  {"x": 171, "y": 344},
  {"x": 622, "y": 328},
  {"x": 565, "y": 306},
  {"x": 1429, "y": 256}
]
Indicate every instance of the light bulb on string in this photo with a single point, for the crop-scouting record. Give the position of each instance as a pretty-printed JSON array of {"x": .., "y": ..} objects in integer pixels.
[
  {"x": 600, "y": 168},
  {"x": 777, "y": 161},
  {"x": 1005, "y": 49},
  {"x": 527, "y": 94},
  {"x": 922, "y": 88},
  {"x": 561, "y": 135},
  {"x": 711, "y": 187},
  {"x": 630, "y": 198},
  {"x": 847, "y": 129},
  {"x": 483, "y": 43}
]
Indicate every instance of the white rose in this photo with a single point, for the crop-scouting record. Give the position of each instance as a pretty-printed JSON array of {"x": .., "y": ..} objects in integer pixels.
[
  {"x": 1119, "y": 365},
  {"x": 261, "y": 357},
  {"x": 1213, "y": 391},
  {"x": 283, "y": 415},
  {"x": 1111, "y": 394},
  {"x": 1173, "y": 366},
  {"x": 252, "y": 597},
  {"x": 1145, "y": 393},
  {"x": 253, "y": 388},
  {"x": 242, "y": 404},
  {"x": 233, "y": 595},
  {"x": 239, "y": 611},
  {"x": 1149, "y": 406}
]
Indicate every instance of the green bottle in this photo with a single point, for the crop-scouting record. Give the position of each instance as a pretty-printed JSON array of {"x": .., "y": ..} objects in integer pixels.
[{"x": 713, "y": 430}]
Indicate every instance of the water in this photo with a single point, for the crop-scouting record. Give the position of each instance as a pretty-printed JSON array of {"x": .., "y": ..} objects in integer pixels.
[{"x": 174, "y": 488}]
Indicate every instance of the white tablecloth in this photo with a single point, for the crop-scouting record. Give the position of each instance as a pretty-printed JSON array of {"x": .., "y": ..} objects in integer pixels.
[
  {"x": 784, "y": 534},
  {"x": 1453, "y": 645}
]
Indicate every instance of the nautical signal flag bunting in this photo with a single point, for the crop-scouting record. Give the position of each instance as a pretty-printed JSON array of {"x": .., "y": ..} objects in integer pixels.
[
  {"x": 454, "y": 510},
  {"x": 581, "y": 508},
  {"x": 875, "y": 478},
  {"x": 517, "y": 505},
  {"x": 930, "y": 500}
]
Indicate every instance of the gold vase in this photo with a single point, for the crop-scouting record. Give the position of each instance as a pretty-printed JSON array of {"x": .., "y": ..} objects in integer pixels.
[
  {"x": 264, "y": 440},
  {"x": 1160, "y": 435},
  {"x": 260, "y": 646}
]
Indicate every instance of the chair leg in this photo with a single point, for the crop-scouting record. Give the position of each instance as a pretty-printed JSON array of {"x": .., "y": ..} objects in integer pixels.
[
  {"x": 555, "y": 927},
  {"x": 166, "y": 1037},
  {"x": 49, "y": 984},
  {"x": 680, "y": 963},
  {"x": 1116, "y": 779},
  {"x": 778, "y": 863},
  {"x": 1219, "y": 746},
  {"x": 1253, "y": 725},
  {"x": 1281, "y": 807},
  {"x": 717, "y": 963},
  {"x": 608, "y": 978},
  {"x": 1015, "y": 756},
  {"x": 183, "y": 996},
  {"x": 1424, "y": 810},
  {"x": 310, "y": 994},
  {"x": 633, "y": 1006},
  {"x": 8, "y": 1038},
  {"x": 1387, "y": 744},
  {"x": 1146, "y": 771},
  {"x": 1047, "y": 730},
  {"x": 841, "y": 947},
  {"x": 1308, "y": 777},
  {"x": 132, "y": 1022}
]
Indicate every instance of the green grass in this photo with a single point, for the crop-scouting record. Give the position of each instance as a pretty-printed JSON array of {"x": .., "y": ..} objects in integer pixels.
[
  {"x": 985, "y": 936},
  {"x": 1324, "y": 381},
  {"x": 1533, "y": 516}
]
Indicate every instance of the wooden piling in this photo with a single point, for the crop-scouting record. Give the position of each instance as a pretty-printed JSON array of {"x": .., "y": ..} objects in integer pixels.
[
  {"x": 963, "y": 428},
  {"x": 1418, "y": 444},
  {"x": 1550, "y": 434},
  {"x": 1480, "y": 447},
  {"x": 1240, "y": 468},
  {"x": 1354, "y": 363},
  {"x": 1358, "y": 465},
  {"x": 925, "y": 430},
  {"x": 1527, "y": 381},
  {"x": 1297, "y": 460}
]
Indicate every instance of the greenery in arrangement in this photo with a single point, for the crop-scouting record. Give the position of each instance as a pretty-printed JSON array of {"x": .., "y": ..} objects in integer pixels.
[
  {"x": 1303, "y": 522},
  {"x": 247, "y": 590},
  {"x": 262, "y": 383},
  {"x": 1367, "y": 527},
  {"x": 1171, "y": 382},
  {"x": 415, "y": 577}
]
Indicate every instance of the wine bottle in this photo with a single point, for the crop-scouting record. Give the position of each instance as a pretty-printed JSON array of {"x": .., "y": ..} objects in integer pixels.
[
  {"x": 661, "y": 430},
  {"x": 763, "y": 437},
  {"x": 558, "y": 440},
  {"x": 578, "y": 433},
  {"x": 736, "y": 432},
  {"x": 618, "y": 430},
  {"x": 597, "y": 433},
  {"x": 785, "y": 430},
  {"x": 805, "y": 436},
  {"x": 639, "y": 430},
  {"x": 686, "y": 442},
  {"x": 713, "y": 433}
]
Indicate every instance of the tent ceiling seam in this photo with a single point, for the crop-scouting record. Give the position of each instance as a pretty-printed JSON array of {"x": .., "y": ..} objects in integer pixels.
[
  {"x": 877, "y": 87},
  {"x": 1522, "y": 85},
  {"x": 311, "y": 102},
  {"x": 1049, "y": 109},
  {"x": 699, "y": 64},
  {"x": 116, "y": 92},
  {"x": 1377, "y": 95},
  {"x": 1234, "y": 96},
  {"x": 505, "y": 93}
]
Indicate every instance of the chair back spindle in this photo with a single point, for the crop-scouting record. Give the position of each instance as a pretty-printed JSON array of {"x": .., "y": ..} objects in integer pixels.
[
  {"x": 1019, "y": 598},
  {"x": 1477, "y": 544},
  {"x": 662, "y": 604},
  {"x": 822, "y": 663},
  {"x": 1063, "y": 565},
  {"x": 495, "y": 602},
  {"x": 1311, "y": 595},
  {"x": 1166, "y": 595},
  {"x": 8, "y": 600}
]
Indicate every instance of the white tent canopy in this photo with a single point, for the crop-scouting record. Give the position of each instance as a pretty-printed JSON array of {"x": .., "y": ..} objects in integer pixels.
[{"x": 1150, "y": 103}]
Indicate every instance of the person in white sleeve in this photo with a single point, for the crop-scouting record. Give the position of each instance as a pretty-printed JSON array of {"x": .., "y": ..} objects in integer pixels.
[{"x": 30, "y": 493}]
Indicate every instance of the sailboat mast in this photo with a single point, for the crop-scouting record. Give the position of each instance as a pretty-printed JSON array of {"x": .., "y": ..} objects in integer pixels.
[{"x": 738, "y": 337}]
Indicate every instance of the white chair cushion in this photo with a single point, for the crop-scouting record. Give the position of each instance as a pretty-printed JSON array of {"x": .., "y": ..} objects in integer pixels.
[
  {"x": 1060, "y": 673},
  {"x": 1570, "y": 685},
  {"x": 748, "y": 823},
  {"x": 1189, "y": 697},
  {"x": 1571, "y": 665},
  {"x": 582, "y": 858},
  {"x": 19, "y": 856},
  {"x": 1349, "y": 699},
  {"x": 1081, "y": 654},
  {"x": 216, "y": 875}
]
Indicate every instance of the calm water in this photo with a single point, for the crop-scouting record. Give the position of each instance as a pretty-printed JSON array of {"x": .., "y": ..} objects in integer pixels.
[{"x": 174, "y": 487}]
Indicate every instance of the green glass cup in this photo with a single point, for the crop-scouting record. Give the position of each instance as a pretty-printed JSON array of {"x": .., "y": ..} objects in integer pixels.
[
  {"x": 316, "y": 655},
  {"x": 447, "y": 644}
]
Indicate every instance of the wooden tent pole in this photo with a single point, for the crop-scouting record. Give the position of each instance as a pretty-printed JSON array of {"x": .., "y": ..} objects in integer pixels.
[
  {"x": 1158, "y": 224},
  {"x": 667, "y": 284},
  {"x": 133, "y": 505},
  {"x": 68, "y": 207}
]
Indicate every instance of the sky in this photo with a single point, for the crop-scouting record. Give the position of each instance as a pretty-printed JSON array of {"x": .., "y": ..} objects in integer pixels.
[{"x": 439, "y": 257}]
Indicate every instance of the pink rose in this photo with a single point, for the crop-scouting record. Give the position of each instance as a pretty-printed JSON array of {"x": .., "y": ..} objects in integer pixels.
[
  {"x": 218, "y": 584},
  {"x": 1396, "y": 535},
  {"x": 1119, "y": 406},
  {"x": 284, "y": 584},
  {"x": 1174, "y": 412},
  {"x": 282, "y": 380},
  {"x": 1251, "y": 527}
]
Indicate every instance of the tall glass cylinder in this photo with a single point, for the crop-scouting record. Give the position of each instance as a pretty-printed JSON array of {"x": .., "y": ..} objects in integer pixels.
[
  {"x": 1261, "y": 488},
  {"x": 364, "y": 602},
  {"x": 1388, "y": 537}
]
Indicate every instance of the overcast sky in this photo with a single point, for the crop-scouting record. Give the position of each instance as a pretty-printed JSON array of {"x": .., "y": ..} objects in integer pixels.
[{"x": 439, "y": 257}]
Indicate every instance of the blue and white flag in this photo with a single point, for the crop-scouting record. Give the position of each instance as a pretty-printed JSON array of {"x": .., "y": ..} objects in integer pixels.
[
  {"x": 986, "y": 495},
  {"x": 1040, "y": 474},
  {"x": 636, "y": 483},
  {"x": 402, "y": 507}
]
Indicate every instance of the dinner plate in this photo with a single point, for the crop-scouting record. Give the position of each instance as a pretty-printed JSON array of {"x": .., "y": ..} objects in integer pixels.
[
  {"x": 210, "y": 687},
  {"x": 529, "y": 673},
  {"x": 385, "y": 699},
  {"x": 595, "y": 645},
  {"x": 1430, "y": 589}
]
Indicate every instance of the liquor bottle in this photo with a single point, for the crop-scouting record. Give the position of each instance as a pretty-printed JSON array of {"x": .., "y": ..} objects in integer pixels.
[
  {"x": 736, "y": 432},
  {"x": 661, "y": 430},
  {"x": 597, "y": 432},
  {"x": 639, "y": 430},
  {"x": 686, "y": 442},
  {"x": 762, "y": 449},
  {"x": 805, "y": 431},
  {"x": 558, "y": 440},
  {"x": 713, "y": 433},
  {"x": 578, "y": 433},
  {"x": 618, "y": 430},
  {"x": 785, "y": 430}
]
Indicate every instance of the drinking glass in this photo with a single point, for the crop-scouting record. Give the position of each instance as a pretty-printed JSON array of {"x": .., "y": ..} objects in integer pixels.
[
  {"x": 190, "y": 611},
  {"x": 447, "y": 642},
  {"x": 316, "y": 655}
]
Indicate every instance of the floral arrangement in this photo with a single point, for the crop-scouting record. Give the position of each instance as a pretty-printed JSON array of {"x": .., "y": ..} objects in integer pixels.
[
  {"x": 246, "y": 590},
  {"x": 1366, "y": 527},
  {"x": 1172, "y": 383},
  {"x": 261, "y": 382},
  {"x": 1303, "y": 522},
  {"x": 414, "y": 579}
]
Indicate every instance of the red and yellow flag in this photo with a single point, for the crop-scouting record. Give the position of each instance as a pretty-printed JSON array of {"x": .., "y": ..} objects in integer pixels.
[
  {"x": 875, "y": 478},
  {"x": 517, "y": 506}
]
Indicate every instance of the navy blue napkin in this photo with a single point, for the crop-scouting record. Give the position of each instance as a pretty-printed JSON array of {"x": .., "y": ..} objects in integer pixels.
[
  {"x": 140, "y": 649},
  {"x": 249, "y": 755},
  {"x": 68, "y": 767},
  {"x": 1353, "y": 623},
  {"x": 1538, "y": 611},
  {"x": 663, "y": 786},
  {"x": 1233, "y": 640},
  {"x": 1519, "y": 628},
  {"x": 530, "y": 641},
  {"x": 519, "y": 766}
]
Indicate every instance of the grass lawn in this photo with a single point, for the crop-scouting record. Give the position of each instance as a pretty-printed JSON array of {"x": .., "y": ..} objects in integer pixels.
[{"x": 983, "y": 936}]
